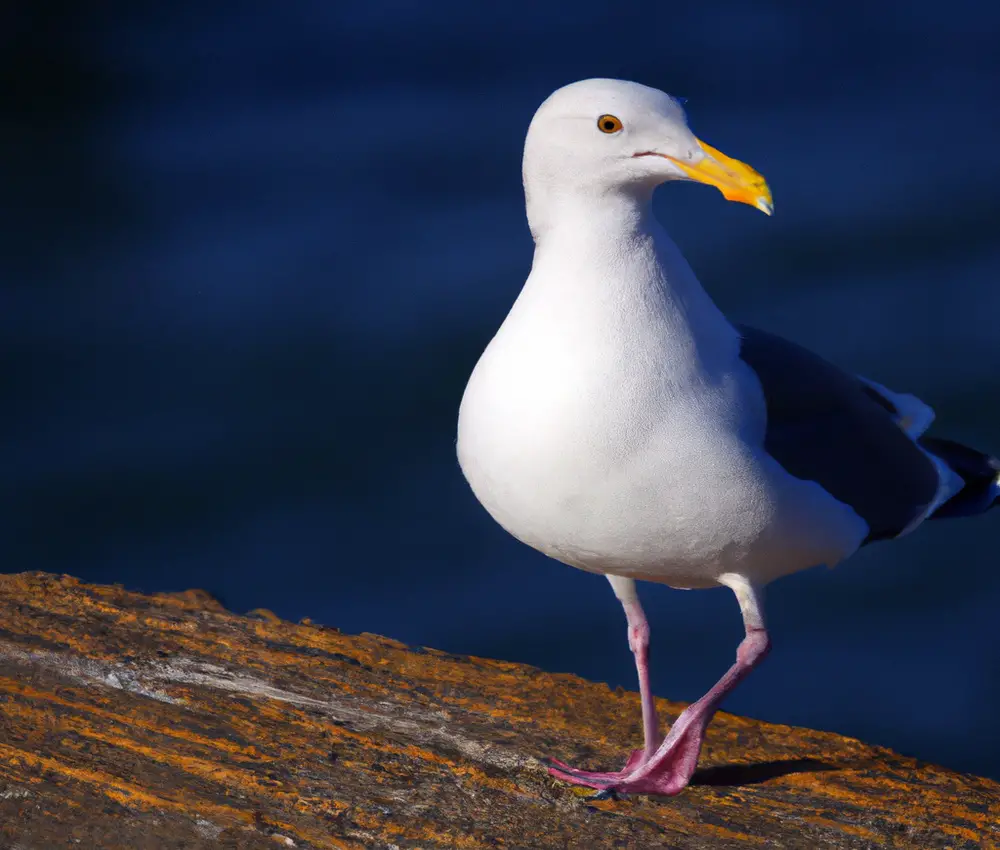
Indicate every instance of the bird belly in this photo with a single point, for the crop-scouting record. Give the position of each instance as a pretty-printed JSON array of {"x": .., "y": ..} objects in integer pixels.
[{"x": 681, "y": 505}]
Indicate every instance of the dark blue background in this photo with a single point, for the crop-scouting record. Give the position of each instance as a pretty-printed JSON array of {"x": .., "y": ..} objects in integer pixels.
[{"x": 252, "y": 252}]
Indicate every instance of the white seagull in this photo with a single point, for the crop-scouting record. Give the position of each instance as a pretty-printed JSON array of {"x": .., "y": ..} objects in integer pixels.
[{"x": 617, "y": 422}]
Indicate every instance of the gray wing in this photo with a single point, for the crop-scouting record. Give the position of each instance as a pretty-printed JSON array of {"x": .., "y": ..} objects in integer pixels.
[{"x": 827, "y": 426}]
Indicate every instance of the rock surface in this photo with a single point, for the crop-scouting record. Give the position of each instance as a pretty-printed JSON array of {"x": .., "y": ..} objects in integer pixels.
[{"x": 133, "y": 721}]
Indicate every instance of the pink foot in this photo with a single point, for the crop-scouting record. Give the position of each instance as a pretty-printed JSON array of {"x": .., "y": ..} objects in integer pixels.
[
  {"x": 672, "y": 771},
  {"x": 669, "y": 775},
  {"x": 561, "y": 770}
]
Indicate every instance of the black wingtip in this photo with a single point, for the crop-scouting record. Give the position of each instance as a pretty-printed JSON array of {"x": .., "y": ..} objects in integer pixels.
[{"x": 979, "y": 471}]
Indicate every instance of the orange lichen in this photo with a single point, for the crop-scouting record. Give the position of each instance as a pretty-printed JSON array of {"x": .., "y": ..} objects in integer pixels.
[{"x": 114, "y": 704}]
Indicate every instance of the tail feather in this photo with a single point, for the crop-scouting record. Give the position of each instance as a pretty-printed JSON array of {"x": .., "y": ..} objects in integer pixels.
[{"x": 981, "y": 474}]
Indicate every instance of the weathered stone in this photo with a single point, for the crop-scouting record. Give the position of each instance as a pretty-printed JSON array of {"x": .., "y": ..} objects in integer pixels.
[{"x": 132, "y": 721}]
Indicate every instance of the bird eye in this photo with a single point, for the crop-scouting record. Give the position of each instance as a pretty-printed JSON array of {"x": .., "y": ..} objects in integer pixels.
[{"x": 609, "y": 124}]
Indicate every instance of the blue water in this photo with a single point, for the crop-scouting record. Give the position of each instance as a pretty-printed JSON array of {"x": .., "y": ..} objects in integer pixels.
[{"x": 254, "y": 251}]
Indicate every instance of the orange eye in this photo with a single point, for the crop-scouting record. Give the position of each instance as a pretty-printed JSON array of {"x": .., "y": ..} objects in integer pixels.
[{"x": 608, "y": 124}]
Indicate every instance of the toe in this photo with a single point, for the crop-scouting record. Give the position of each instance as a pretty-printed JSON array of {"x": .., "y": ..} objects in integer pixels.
[
  {"x": 590, "y": 779},
  {"x": 563, "y": 770}
]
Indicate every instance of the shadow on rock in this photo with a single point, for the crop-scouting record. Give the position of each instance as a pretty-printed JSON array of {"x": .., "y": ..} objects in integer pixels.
[{"x": 752, "y": 774}]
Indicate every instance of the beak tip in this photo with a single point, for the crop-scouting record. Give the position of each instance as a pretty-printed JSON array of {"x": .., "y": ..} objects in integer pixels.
[{"x": 765, "y": 205}]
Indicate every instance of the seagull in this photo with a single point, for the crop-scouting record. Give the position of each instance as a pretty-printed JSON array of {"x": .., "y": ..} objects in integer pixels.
[{"x": 618, "y": 423}]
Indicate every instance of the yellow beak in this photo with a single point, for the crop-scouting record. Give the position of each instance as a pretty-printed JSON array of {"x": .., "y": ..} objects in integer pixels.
[{"x": 736, "y": 180}]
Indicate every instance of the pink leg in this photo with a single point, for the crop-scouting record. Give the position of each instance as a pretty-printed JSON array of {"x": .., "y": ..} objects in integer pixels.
[
  {"x": 672, "y": 765},
  {"x": 638, "y": 641}
]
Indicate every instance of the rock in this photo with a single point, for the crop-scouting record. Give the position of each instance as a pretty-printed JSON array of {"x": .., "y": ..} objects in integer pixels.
[{"x": 134, "y": 721}]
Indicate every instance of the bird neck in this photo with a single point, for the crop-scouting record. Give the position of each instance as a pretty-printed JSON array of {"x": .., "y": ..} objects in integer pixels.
[
  {"x": 605, "y": 262},
  {"x": 556, "y": 207}
]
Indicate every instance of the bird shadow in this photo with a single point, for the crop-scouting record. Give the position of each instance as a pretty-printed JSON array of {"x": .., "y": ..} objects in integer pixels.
[{"x": 753, "y": 774}]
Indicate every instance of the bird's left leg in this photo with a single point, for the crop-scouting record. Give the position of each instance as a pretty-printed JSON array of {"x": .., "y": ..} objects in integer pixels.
[
  {"x": 638, "y": 641},
  {"x": 672, "y": 765}
]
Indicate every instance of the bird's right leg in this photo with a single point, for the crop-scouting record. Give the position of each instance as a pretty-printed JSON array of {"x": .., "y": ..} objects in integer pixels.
[{"x": 638, "y": 641}]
